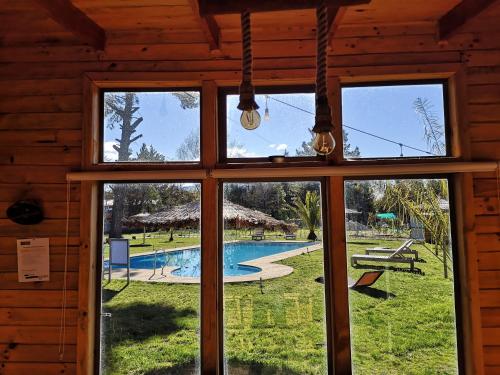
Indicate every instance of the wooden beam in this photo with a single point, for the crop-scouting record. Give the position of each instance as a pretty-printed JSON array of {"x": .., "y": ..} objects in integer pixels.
[
  {"x": 75, "y": 21},
  {"x": 209, "y": 26},
  {"x": 455, "y": 19},
  {"x": 211, "y": 7},
  {"x": 335, "y": 15}
]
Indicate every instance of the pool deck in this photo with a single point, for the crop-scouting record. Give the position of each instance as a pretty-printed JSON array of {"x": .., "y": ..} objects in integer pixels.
[{"x": 269, "y": 269}]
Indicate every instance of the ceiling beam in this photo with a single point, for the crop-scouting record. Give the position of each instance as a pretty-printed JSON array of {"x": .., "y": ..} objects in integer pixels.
[
  {"x": 211, "y": 7},
  {"x": 74, "y": 20},
  {"x": 335, "y": 16},
  {"x": 455, "y": 19},
  {"x": 208, "y": 25}
]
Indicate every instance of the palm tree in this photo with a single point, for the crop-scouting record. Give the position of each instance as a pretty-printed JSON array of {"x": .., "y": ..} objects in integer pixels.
[{"x": 310, "y": 212}]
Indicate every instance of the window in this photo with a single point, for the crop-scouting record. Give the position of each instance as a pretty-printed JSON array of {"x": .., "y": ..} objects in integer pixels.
[
  {"x": 401, "y": 277},
  {"x": 274, "y": 291},
  {"x": 150, "y": 126},
  {"x": 395, "y": 120},
  {"x": 272, "y": 297},
  {"x": 151, "y": 323},
  {"x": 287, "y": 119}
]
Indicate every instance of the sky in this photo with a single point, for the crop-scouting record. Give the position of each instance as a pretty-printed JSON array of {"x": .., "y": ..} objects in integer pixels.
[{"x": 386, "y": 111}]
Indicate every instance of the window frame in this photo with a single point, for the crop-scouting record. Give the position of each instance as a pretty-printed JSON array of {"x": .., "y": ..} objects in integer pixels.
[
  {"x": 209, "y": 83},
  {"x": 414, "y": 82}
]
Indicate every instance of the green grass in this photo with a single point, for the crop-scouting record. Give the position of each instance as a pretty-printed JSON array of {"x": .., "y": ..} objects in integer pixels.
[{"x": 406, "y": 325}]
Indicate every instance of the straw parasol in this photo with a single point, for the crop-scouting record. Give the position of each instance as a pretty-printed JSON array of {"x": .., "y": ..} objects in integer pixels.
[{"x": 188, "y": 216}]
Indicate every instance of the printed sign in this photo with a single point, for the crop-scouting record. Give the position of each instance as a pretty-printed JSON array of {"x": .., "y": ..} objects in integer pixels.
[{"x": 33, "y": 259}]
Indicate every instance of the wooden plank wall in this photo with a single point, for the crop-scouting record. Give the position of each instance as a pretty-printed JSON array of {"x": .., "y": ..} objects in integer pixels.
[{"x": 41, "y": 137}]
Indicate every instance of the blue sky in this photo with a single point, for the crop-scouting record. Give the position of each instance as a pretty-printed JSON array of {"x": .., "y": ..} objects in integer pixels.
[{"x": 386, "y": 111}]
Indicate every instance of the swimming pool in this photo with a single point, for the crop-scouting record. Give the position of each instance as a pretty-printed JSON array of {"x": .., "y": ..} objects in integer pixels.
[{"x": 188, "y": 261}]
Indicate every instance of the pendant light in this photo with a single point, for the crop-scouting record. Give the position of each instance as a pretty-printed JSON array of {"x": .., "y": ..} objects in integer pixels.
[
  {"x": 250, "y": 118},
  {"x": 323, "y": 142}
]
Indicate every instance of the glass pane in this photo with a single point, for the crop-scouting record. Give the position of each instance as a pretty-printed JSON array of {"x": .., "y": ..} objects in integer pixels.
[
  {"x": 394, "y": 121},
  {"x": 151, "y": 324},
  {"x": 285, "y": 127},
  {"x": 151, "y": 126},
  {"x": 400, "y": 269},
  {"x": 274, "y": 294}
]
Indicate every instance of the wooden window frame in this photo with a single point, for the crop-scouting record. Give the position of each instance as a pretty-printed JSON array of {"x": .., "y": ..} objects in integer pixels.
[{"x": 210, "y": 172}]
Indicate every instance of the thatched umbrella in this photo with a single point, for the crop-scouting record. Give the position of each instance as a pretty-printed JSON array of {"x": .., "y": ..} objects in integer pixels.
[
  {"x": 136, "y": 220},
  {"x": 188, "y": 215}
]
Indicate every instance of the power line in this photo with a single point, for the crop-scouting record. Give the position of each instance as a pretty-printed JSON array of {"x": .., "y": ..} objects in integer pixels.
[{"x": 400, "y": 144}]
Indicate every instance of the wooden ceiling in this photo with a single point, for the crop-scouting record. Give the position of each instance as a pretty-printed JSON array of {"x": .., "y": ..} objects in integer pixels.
[{"x": 25, "y": 22}]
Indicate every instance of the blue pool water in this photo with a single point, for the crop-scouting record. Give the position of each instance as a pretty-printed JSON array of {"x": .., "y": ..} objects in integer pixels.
[{"x": 188, "y": 260}]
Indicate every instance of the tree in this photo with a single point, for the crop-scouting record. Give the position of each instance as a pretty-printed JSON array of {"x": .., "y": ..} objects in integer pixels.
[
  {"x": 310, "y": 212},
  {"x": 120, "y": 109},
  {"x": 422, "y": 200},
  {"x": 433, "y": 130},
  {"x": 307, "y": 149},
  {"x": 359, "y": 196},
  {"x": 190, "y": 147},
  {"x": 149, "y": 154}
]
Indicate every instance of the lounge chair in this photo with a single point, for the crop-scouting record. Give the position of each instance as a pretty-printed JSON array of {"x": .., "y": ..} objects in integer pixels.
[
  {"x": 395, "y": 257},
  {"x": 405, "y": 249},
  {"x": 366, "y": 279},
  {"x": 290, "y": 236},
  {"x": 258, "y": 234}
]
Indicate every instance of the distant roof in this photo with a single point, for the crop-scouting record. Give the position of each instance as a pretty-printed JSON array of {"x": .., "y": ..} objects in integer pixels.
[{"x": 386, "y": 215}]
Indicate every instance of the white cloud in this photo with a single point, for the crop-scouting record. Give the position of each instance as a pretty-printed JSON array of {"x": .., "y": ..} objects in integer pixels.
[
  {"x": 279, "y": 147},
  {"x": 239, "y": 152},
  {"x": 110, "y": 154}
]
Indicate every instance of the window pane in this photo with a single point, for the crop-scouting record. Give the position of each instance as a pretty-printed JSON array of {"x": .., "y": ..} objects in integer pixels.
[
  {"x": 151, "y": 324},
  {"x": 274, "y": 295},
  {"x": 151, "y": 126},
  {"x": 400, "y": 269},
  {"x": 394, "y": 121},
  {"x": 285, "y": 130}
]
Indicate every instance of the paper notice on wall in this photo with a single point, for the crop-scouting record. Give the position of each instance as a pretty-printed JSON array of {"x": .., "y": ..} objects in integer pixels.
[{"x": 33, "y": 259}]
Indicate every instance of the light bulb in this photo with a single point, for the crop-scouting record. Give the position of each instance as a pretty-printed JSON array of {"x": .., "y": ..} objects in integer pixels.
[
  {"x": 323, "y": 143},
  {"x": 250, "y": 120},
  {"x": 266, "y": 114}
]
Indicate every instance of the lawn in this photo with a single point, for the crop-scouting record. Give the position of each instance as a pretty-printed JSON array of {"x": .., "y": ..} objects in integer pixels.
[{"x": 405, "y": 325}]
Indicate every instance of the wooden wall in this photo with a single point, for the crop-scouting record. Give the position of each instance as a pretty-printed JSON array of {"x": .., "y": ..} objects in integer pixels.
[{"x": 41, "y": 138}]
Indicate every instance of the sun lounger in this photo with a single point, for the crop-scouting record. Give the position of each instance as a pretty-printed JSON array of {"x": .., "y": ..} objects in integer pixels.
[
  {"x": 290, "y": 236},
  {"x": 405, "y": 249},
  {"x": 395, "y": 257},
  {"x": 367, "y": 279},
  {"x": 258, "y": 234}
]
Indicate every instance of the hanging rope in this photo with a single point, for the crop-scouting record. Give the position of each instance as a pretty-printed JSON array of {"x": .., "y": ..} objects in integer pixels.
[
  {"x": 323, "y": 114},
  {"x": 247, "y": 95},
  {"x": 62, "y": 327},
  {"x": 322, "y": 44}
]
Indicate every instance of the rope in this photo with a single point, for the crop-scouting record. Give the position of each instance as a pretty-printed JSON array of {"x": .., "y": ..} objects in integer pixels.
[
  {"x": 322, "y": 44},
  {"x": 247, "y": 46},
  {"x": 62, "y": 327}
]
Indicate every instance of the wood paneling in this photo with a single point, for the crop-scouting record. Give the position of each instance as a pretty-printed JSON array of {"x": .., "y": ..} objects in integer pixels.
[{"x": 41, "y": 131}]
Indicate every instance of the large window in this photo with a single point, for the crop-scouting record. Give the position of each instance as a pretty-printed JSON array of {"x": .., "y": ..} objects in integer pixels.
[
  {"x": 150, "y": 323},
  {"x": 271, "y": 295},
  {"x": 401, "y": 277},
  {"x": 274, "y": 292}
]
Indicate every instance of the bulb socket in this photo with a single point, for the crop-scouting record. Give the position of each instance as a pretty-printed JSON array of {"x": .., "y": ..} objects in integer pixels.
[{"x": 247, "y": 97}]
